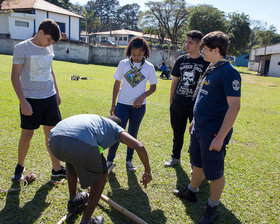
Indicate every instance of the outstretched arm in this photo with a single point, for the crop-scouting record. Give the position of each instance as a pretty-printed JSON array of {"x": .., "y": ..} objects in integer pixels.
[{"x": 142, "y": 153}]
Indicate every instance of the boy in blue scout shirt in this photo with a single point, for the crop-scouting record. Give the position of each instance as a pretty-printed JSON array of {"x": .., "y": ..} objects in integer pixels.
[{"x": 215, "y": 110}]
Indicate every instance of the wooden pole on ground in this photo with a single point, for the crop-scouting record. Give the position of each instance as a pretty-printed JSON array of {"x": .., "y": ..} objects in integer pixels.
[{"x": 122, "y": 210}]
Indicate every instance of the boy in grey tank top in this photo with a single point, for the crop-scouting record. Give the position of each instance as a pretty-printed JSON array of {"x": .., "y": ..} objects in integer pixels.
[{"x": 34, "y": 82}]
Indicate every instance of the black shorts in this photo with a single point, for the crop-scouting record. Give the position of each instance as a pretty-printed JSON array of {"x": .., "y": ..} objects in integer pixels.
[{"x": 45, "y": 112}]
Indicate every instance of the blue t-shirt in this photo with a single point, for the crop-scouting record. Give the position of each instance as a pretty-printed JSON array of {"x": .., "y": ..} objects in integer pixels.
[
  {"x": 211, "y": 103},
  {"x": 164, "y": 68},
  {"x": 89, "y": 128}
]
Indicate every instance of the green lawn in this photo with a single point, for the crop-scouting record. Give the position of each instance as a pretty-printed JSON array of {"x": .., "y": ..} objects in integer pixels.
[{"x": 252, "y": 191}]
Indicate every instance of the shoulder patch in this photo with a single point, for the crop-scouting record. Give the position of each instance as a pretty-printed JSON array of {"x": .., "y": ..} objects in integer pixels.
[{"x": 236, "y": 85}]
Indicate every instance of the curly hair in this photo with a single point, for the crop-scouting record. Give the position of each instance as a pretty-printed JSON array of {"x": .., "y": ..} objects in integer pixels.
[{"x": 136, "y": 43}]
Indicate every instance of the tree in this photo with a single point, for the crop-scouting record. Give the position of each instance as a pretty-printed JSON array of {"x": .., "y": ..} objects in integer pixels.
[
  {"x": 106, "y": 11},
  {"x": 206, "y": 19},
  {"x": 149, "y": 26},
  {"x": 238, "y": 30},
  {"x": 267, "y": 37},
  {"x": 171, "y": 16},
  {"x": 127, "y": 16}
]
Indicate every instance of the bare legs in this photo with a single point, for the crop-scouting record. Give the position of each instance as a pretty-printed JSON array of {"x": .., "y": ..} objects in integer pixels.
[{"x": 24, "y": 143}]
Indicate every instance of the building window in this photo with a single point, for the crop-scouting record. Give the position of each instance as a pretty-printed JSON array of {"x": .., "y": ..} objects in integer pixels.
[
  {"x": 120, "y": 38},
  {"x": 21, "y": 23},
  {"x": 61, "y": 26},
  {"x": 125, "y": 38},
  {"x": 116, "y": 39},
  {"x": 103, "y": 38}
]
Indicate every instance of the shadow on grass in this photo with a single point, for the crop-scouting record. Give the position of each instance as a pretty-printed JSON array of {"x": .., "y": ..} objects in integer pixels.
[
  {"x": 30, "y": 212},
  {"x": 196, "y": 209},
  {"x": 134, "y": 200}
]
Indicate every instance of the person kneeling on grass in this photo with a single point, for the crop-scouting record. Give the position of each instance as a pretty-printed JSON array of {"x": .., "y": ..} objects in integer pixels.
[{"x": 79, "y": 141}]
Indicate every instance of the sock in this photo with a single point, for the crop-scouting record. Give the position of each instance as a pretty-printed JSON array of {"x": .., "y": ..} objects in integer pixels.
[
  {"x": 195, "y": 190},
  {"x": 213, "y": 203}
]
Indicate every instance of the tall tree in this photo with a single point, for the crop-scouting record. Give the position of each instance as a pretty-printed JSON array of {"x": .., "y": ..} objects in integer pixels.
[
  {"x": 171, "y": 16},
  {"x": 106, "y": 11},
  {"x": 151, "y": 26},
  {"x": 127, "y": 16},
  {"x": 206, "y": 18},
  {"x": 238, "y": 30}
]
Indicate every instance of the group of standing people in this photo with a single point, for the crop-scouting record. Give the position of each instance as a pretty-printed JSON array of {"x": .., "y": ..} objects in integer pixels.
[{"x": 205, "y": 91}]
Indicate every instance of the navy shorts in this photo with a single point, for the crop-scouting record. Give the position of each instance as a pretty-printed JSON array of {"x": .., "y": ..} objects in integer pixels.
[
  {"x": 45, "y": 112},
  {"x": 212, "y": 162}
]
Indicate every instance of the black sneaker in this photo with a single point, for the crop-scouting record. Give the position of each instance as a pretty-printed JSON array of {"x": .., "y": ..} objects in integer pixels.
[
  {"x": 18, "y": 173},
  {"x": 186, "y": 193},
  {"x": 96, "y": 220},
  {"x": 209, "y": 216},
  {"x": 60, "y": 173},
  {"x": 80, "y": 199}
]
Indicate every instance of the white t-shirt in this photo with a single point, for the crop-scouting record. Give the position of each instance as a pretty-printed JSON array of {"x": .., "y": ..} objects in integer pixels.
[
  {"x": 131, "y": 88},
  {"x": 36, "y": 78}
]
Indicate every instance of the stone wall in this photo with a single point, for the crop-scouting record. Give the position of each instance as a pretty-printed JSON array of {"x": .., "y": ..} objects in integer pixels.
[{"x": 83, "y": 53}]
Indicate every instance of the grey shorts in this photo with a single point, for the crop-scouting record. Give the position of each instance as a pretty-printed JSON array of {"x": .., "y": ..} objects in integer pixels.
[{"x": 89, "y": 164}]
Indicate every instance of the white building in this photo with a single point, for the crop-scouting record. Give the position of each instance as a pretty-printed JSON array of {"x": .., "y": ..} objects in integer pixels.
[
  {"x": 20, "y": 19},
  {"x": 265, "y": 60},
  {"x": 122, "y": 37}
]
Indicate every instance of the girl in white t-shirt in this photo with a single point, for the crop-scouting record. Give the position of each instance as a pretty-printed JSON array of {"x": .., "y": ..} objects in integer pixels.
[{"x": 131, "y": 77}]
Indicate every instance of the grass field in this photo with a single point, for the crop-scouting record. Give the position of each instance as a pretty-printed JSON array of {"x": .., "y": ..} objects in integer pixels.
[{"x": 252, "y": 168}]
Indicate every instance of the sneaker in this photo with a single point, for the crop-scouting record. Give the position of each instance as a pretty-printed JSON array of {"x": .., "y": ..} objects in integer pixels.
[
  {"x": 130, "y": 166},
  {"x": 172, "y": 162},
  {"x": 18, "y": 173},
  {"x": 108, "y": 164},
  {"x": 96, "y": 220},
  {"x": 209, "y": 216},
  {"x": 186, "y": 193},
  {"x": 60, "y": 173},
  {"x": 80, "y": 199}
]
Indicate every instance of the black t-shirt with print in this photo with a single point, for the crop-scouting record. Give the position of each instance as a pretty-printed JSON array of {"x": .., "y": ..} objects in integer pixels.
[{"x": 188, "y": 70}]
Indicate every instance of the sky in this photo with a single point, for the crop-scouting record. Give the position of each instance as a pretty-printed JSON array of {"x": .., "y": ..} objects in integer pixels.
[{"x": 266, "y": 11}]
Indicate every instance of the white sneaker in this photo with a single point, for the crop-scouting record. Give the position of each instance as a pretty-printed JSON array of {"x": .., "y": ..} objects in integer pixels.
[
  {"x": 108, "y": 164},
  {"x": 130, "y": 166},
  {"x": 172, "y": 162}
]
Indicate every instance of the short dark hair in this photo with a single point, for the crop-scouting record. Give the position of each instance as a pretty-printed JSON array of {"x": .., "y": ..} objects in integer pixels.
[
  {"x": 195, "y": 35},
  {"x": 116, "y": 120},
  {"x": 50, "y": 27},
  {"x": 217, "y": 39},
  {"x": 138, "y": 42}
]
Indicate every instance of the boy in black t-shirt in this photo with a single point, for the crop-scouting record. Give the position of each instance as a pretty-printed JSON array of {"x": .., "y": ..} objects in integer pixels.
[{"x": 186, "y": 73}]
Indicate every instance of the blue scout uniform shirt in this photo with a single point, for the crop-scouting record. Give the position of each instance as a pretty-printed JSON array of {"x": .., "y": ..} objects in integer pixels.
[
  {"x": 89, "y": 128},
  {"x": 211, "y": 103}
]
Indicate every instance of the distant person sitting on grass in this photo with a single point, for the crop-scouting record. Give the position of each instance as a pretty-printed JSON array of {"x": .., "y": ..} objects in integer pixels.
[
  {"x": 34, "y": 82},
  {"x": 79, "y": 141},
  {"x": 164, "y": 71},
  {"x": 215, "y": 110}
]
